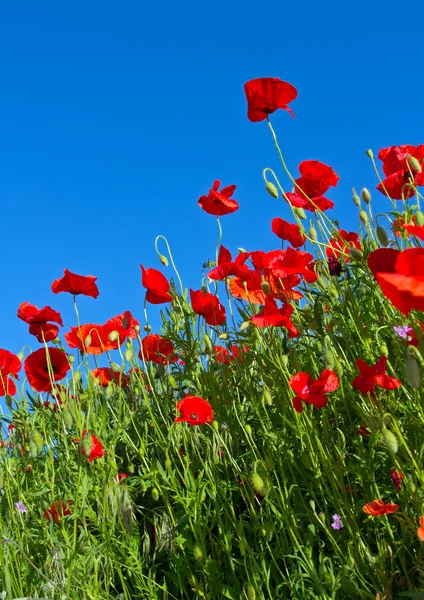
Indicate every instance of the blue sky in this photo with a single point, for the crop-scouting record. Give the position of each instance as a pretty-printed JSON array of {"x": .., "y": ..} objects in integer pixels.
[{"x": 116, "y": 117}]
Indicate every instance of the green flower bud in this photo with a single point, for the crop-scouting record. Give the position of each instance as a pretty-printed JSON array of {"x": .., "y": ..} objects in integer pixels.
[
  {"x": 87, "y": 341},
  {"x": 215, "y": 425},
  {"x": 87, "y": 443},
  {"x": 32, "y": 449},
  {"x": 9, "y": 400},
  {"x": 208, "y": 343},
  {"x": 248, "y": 429},
  {"x": 67, "y": 419},
  {"x": 249, "y": 591},
  {"x": 147, "y": 328},
  {"x": 204, "y": 289},
  {"x": 384, "y": 350},
  {"x": 312, "y": 233},
  {"x": 155, "y": 494},
  {"x": 21, "y": 355},
  {"x": 356, "y": 254},
  {"x": 338, "y": 368},
  {"x": 413, "y": 372},
  {"x": 128, "y": 354},
  {"x": 37, "y": 439},
  {"x": 332, "y": 290},
  {"x": 390, "y": 441},
  {"x": 382, "y": 236},
  {"x": 243, "y": 547},
  {"x": 241, "y": 250},
  {"x": 224, "y": 336},
  {"x": 267, "y": 398},
  {"x": 300, "y": 213},
  {"x": 71, "y": 358},
  {"x": 414, "y": 164},
  {"x": 366, "y": 196},
  {"x": 163, "y": 260},
  {"x": 370, "y": 153},
  {"x": 329, "y": 359},
  {"x": 258, "y": 484},
  {"x": 265, "y": 287},
  {"x": 198, "y": 552},
  {"x": 419, "y": 217},
  {"x": 284, "y": 360},
  {"x": 363, "y": 217},
  {"x": 356, "y": 199},
  {"x": 113, "y": 336},
  {"x": 115, "y": 367},
  {"x": 271, "y": 189},
  {"x": 245, "y": 325},
  {"x": 168, "y": 464}
]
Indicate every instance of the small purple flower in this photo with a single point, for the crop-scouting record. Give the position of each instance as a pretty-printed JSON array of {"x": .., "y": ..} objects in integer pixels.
[
  {"x": 337, "y": 522},
  {"x": 334, "y": 267},
  {"x": 21, "y": 507},
  {"x": 402, "y": 331}
]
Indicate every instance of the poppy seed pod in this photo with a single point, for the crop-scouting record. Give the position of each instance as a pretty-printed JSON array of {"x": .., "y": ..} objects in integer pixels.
[
  {"x": 242, "y": 250},
  {"x": 32, "y": 449},
  {"x": 115, "y": 367},
  {"x": 366, "y": 196},
  {"x": 250, "y": 592},
  {"x": 67, "y": 419},
  {"x": 370, "y": 153},
  {"x": 71, "y": 359},
  {"x": 384, "y": 350},
  {"x": 271, "y": 189},
  {"x": 356, "y": 199},
  {"x": 248, "y": 429},
  {"x": 382, "y": 236},
  {"x": 363, "y": 217},
  {"x": 128, "y": 354},
  {"x": 267, "y": 398},
  {"x": 414, "y": 164},
  {"x": 224, "y": 336},
  {"x": 87, "y": 443},
  {"x": 147, "y": 328},
  {"x": 37, "y": 439},
  {"x": 242, "y": 547},
  {"x": 113, "y": 336}
]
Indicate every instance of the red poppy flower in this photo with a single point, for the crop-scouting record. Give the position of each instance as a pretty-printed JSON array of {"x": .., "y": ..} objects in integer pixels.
[
  {"x": 417, "y": 230},
  {"x": 38, "y": 318},
  {"x": 194, "y": 410},
  {"x": 40, "y": 368},
  {"x": 227, "y": 267},
  {"x": 157, "y": 349},
  {"x": 124, "y": 324},
  {"x": 94, "y": 447},
  {"x": 57, "y": 511},
  {"x": 225, "y": 357},
  {"x": 157, "y": 286},
  {"x": 399, "y": 226},
  {"x": 265, "y": 95},
  {"x": 10, "y": 365},
  {"x": 120, "y": 477},
  {"x": 313, "y": 391},
  {"x": 400, "y": 275},
  {"x": 316, "y": 178},
  {"x": 397, "y": 477},
  {"x": 272, "y": 316},
  {"x": 400, "y": 172},
  {"x": 371, "y": 376},
  {"x": 340, "y": 244},
  {"x": 219, "y": 203},
  {"x": 76, "y": 284},
  {"x": 376, "y": 508},
  {"x": 93, "y": 333},
  {"x": 208, "y": 306},
  {"x": 363, "y": 431},
  {"x": 104, "y": 375},
  {"x": 420, "y": 530},
  {"x": 288, "y": 231}
]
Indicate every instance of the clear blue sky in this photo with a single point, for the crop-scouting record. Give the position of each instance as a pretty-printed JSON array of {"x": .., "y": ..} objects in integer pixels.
[{"x": 116, "y": 117}]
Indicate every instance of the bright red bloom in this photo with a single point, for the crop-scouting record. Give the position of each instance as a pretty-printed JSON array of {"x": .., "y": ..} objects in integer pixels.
[
  {"x": 313, "y": 391},
  {"x": 38, "y": 318},
  {"x": 38, "y": 367},
  {"x": 400, "y": 173},
  {"x": 157, "y": 349},
  {"x": 95, "y": 334},
  {"x": 105, "y": 375},
  {"x": 420, "y": 530},
  {"x": 225, "y": 357},
  {"x": 124, "y": 324},
  {"x": 76, "y": 284},
  {"x": 227, "y": 267},
  {"x": 272, "y": 316},
  {"x": 288, "y": 231},
  {"x": 316, "y": 178},
  {"x": 157, "y": 286},
  {"x": 417, "y": 230},
  {"x": 120, "y": 477},
  {"x": 399, "y": 226},
  {"x": 208, "y": 306},
  {"x": 219, "y": 203},
  {"x": 265, "y": 95},
  {"x": 96, "y": 448},
  {"x": 340, "y": 244},
  {"x": 194, "y": 410},
  {"x": 373, "y": 375},
  {"x": 10, "y": 365},
  {"x": 57, "y": 511},
  {"x": 400, "y": 275},
  {"x": 377, "y": 508},
  {"x": 397, "y": 477}
]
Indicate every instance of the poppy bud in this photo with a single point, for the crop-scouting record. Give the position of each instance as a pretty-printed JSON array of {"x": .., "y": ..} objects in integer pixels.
[
  {"x": 284, "y": 360},
  {"x": 224, "y": 336},
  {"x": 258, "y": 484},
  {"x": 248, "y": 429},
  {"x": 245, "y": 325},
  {"x": 329, "y": 359},
  {"x": 382, "y": 236},
  {"x": 384, "y": 350},
  {"x": 414, "y": 164},
  {"x": 242, "y": 547},
  {"x": 37, "y": 439},
  {"x": 215, "y": 425},
  {"x": 250, "y": 592},
  {"x": 113, "y": 336},
  {"x": 198, "y": 552},
  {"x": 204, "y": 289},
  {"x": 208, "y": 343},
  {"x": 67, "y": 419},
  {"x": 160, "y": 371},
  {"x": 419, "y": 217},
  {"x": 300, "y": 213},
  {"x": 355, "y": 254},
  {"x": 76, "y": 377},
  {"x": 271, "y": 189},
  {"x": 172, "y": 382},
  {"x": 366, "y": 196},
  {"x": 163, "y": 260},
  {"x": 390, "y": 441},
  {"x": 32, "y": 449},
  {"x": 373, "y": 245},
  {"x": 267, "y": 398},
  {"x": 312, "y": 233},
  {"x": 9, "y": 400},
  {"x": 351, "y": 562},
  {"x": 333, "y": 292},
  {"x": 147, "y": 328},
  {"x": 136, "y": 328},
  {"x": 363, "y": 217},
  {"x": 128, "y": 355},
  {"x": 338, "y": 368},
  {"x": 71, "y": 358},
  {"x": 241, "y": 250},
  {"x": 115, "y": 367},
  {"x": 155, "y": 494},
  {"x": 87, "y": 341},
  {"x": 312, "y": 504},
  {"x": 356, "y": 199},
  {"x": 168, "y": 464},
  {"x": 109, "y": 390},
  {"x": 413, "y": 372},
  {"x": 265, "y": 287},
  {"x": 370, "y": 153},
  {"x": 1, "y": 479}
]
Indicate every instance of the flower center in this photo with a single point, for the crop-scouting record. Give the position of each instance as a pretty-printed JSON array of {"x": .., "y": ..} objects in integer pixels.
[{"x": 194, "y": 416}]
